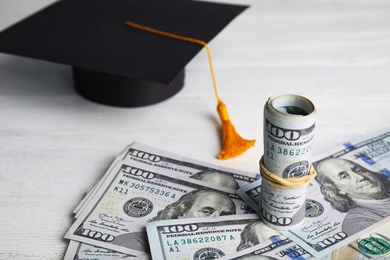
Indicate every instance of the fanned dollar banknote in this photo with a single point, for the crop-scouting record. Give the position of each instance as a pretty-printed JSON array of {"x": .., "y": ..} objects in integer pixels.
[
  {"x": 179, "y": 165},
  {"x": 149, "y": 186},
  {"x": 349, "y": 197},
  {"x": 332, "y": 229},
  {"x": 206, "y": 238}
]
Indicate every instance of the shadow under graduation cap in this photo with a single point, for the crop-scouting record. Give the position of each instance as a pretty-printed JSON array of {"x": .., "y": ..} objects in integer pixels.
[{"x": 114, "y": 64}]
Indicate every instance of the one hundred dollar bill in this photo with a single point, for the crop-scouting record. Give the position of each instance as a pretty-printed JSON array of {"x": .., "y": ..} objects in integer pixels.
[
  {"x": 206, "y": 238},
  {"x": 179, "y": 165},
  {"x": 349, "y": 197},
  {"x": 378, "y": 245},
  {"x": 289, "y": 124},
  {"x": 134, "y": 194}
]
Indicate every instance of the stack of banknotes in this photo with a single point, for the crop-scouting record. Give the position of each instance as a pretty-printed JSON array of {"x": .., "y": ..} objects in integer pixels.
[{"x": 152, "y": 204}]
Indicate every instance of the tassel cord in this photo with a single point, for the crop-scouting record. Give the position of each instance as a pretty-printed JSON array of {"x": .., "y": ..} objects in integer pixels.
[
  {"x": 232, "y": 143},
  {"x": 183, "y": 38}
]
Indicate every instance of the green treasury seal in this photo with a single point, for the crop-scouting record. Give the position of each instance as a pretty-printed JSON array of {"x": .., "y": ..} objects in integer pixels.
[{"x": 374, "y": 246}]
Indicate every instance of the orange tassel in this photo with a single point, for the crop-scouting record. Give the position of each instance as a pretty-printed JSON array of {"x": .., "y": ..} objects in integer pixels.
[{"x": 232, "y": 143}]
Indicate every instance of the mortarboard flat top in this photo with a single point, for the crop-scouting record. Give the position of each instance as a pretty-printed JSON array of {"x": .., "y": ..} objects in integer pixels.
[{"x": 112, "y": 63}]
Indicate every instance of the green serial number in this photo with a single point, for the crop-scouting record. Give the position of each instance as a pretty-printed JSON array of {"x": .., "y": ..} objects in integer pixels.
[
  {"x": 287, "y": 152},
  {"x": 201, "y": 240},
  {"x": 152, "y": 190}
]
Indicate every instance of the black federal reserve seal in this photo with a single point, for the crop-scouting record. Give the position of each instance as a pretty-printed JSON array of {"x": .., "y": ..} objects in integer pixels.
[
  {"x": 208, "y": 253},
  {"x": 138, "y": 207},
  {"x": 313, "y": 208},
  {"x": 297, "y": 169}
]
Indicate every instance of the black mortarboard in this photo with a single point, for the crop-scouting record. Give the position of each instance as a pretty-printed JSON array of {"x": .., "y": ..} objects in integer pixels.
[{"x": 112, "y": 63}]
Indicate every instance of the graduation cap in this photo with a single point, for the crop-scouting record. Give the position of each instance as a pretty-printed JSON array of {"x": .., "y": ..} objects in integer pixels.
[
  {"x": 112, "y": 63},
  {"x": 121, "y": 66}
]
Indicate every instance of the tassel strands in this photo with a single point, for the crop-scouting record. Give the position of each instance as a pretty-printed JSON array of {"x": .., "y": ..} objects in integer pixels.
[{"x": 232, "y": 143}]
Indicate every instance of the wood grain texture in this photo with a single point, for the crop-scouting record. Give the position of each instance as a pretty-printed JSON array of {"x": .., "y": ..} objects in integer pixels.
[{"x": 55, "y": 145}]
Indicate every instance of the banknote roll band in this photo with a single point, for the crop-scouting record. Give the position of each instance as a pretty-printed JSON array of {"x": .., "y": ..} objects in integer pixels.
[
  {"x": 283, "y": 200},
  {"x": 285, "y": 183}
]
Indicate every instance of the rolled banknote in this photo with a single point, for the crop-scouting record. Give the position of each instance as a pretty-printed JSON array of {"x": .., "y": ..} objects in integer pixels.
[
  {"x": 206, "y": 238},
  {"x": 289, "y": 122}
]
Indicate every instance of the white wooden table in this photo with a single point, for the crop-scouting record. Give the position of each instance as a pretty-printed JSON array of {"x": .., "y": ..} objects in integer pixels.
[{"x": 55, "y": 145}]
